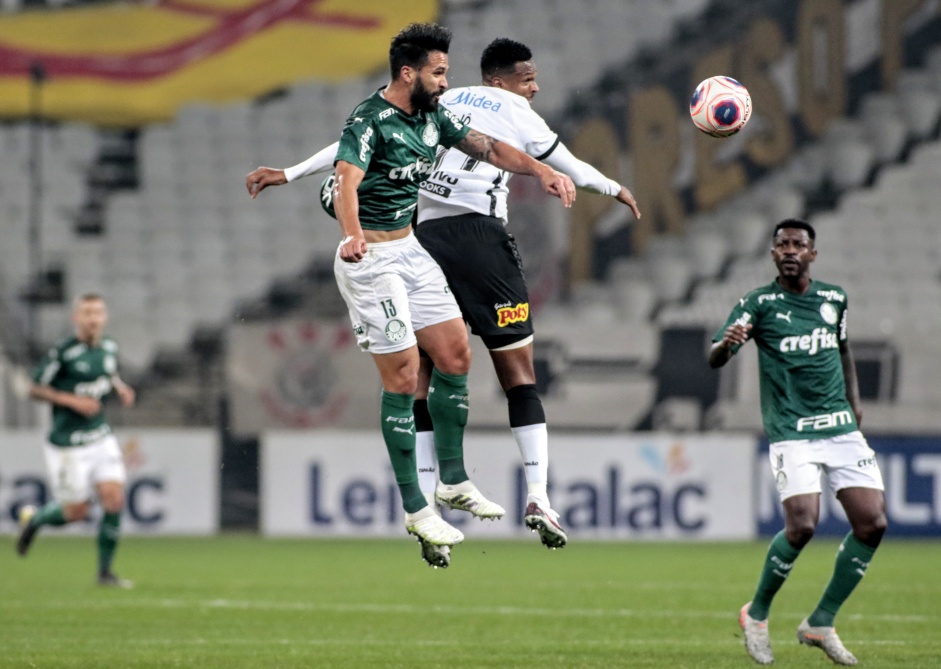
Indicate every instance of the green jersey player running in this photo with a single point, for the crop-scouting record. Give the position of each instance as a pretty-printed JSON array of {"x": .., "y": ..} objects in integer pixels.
[
  {"x": 83, "y": 458},
  {"x": 811, "y": 412},
  {"x": 397, "y": 296}
]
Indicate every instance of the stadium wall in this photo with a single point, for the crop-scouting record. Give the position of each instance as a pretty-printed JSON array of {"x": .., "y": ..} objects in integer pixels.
[
  {"x": 337, "y": 483},
  {"x": 173, "y": 481}
]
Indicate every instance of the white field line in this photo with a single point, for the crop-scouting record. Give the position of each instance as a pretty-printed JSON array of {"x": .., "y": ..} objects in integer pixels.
[{"x": 384, "y": 609}]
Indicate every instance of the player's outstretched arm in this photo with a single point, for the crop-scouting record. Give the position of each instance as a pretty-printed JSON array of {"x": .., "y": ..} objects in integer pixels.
[
  {"x": 500, "y": 154},
  {"x": 589, "y": 178},
  {"x": 259, "y": 179},
  {"x": 721, "y": 352}
]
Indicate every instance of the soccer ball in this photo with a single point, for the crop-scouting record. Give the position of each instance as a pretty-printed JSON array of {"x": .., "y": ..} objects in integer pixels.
[{"x": 720, "y": 106}]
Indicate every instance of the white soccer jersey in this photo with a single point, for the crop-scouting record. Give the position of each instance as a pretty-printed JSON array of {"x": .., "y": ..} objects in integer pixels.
[{"x": 459, "y": 184}]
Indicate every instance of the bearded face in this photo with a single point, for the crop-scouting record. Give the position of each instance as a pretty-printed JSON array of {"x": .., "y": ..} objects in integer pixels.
[{"x": 423, "y": 98}]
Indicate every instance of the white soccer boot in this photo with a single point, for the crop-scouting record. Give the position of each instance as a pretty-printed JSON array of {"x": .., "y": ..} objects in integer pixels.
[
  {"x": 434, "y": 556},
  {"x": 431, "y": 528},
  {"x": 757, "y": 640},
  {"x": 827, "y": 640},
  {"x": 540, "y": 518},
  {"x": 466, "y": 497}
]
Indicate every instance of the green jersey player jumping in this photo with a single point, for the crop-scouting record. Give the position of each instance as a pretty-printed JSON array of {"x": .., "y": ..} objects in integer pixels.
[
  {"x": 397, "y": 296},
  {"x": 811, "y": 413},
  {"x": 83, "y": 458}
]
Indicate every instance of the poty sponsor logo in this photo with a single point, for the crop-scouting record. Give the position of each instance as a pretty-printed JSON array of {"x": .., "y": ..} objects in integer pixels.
[
  {"x": 818, "y": 340},
  {"x": 825, "y": 421},
  {"x": 517, "y": 314}
]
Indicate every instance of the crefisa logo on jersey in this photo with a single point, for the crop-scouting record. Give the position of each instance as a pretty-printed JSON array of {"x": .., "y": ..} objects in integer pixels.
[
  {"x": 430, "y": 135},
  {"x": 828, "y": 313}
]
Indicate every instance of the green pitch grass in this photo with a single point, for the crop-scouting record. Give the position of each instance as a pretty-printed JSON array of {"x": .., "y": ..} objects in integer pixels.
[{"x": 240, "y": 601}]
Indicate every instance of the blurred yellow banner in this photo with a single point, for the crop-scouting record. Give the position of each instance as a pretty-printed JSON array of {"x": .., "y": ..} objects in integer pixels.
[{"x": 127, "y": 65}]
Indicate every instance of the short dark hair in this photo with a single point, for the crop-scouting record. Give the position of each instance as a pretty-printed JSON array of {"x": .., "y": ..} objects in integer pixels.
[
  {"x": 88, "y": 297},
  {"x": 501, "y": 55},
  {"x": 798, "y": 223},
  {"x": 411, "y": 46}
]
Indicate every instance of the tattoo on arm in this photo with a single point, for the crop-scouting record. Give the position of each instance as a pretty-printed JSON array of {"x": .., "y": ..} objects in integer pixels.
[{"x": 477, "y": 145}]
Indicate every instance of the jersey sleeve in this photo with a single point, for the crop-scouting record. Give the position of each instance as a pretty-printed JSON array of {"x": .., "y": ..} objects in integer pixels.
[
  {"x": 744, "y": 313},
  {"x": 539, "y": 141},
  {"x": 358, "y": 143},
  {"x": 47, "y": 369},
  {"x": 843, "y": 333},
  {"x": 319, "y": 162},
  {"x": 451, "y": 130},
  {"x": 583, "y": 175}
]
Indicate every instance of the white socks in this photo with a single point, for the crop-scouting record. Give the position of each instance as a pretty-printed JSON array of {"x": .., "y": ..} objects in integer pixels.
[{"x": 533, "y": 442}]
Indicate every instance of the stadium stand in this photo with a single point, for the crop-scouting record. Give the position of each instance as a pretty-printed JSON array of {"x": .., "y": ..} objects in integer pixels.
[{"x": 159, "y": 215}]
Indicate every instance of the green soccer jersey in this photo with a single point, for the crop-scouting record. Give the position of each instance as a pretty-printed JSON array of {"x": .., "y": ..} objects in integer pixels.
[
  {"x": 74, "y": 367},
  {"x": 397, "y": 152},
  {"x": 803, "y": 392}
]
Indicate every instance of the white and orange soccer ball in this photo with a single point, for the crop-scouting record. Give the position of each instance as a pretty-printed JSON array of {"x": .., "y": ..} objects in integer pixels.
[{"x": 720, "y": 106}]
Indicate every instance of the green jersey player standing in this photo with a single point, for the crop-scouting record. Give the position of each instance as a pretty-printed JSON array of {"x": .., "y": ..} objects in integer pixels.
[
  {"x": 82, "y": 456},
  {"x": 811, "y": 412},
  {"x": 397, "y": 296}
]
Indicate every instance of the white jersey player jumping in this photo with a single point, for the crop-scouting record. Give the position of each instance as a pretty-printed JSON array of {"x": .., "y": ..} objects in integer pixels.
[{"x": 461, "y": 222}]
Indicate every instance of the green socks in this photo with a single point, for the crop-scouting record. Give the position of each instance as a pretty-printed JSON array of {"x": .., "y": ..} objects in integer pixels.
[
  {"x": 398, "y": 431},
  {"x": 780, "y": 559},
  {"x": 109, "y": 531},
  {"x": 852, "y": 559},
  {"x": 447, "y": 404},
  {"x": 49, "y": 514}
]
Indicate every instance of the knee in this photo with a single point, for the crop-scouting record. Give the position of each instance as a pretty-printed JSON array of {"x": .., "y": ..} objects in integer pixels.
[
  {"x": 800, "y": 532},
  {"x": 75, "y": 512},
  {"x": 870, "y": 530},
  {"x": 456, "y": 361},
  {"x": 113, "y": 503},
  {"x": 404, "y": 381}
]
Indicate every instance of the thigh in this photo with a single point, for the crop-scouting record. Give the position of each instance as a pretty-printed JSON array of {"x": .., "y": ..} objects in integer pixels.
[
  {"x": 850, "y": 463},
  {"x": 447, "y": 346},
  {"x": 796, "y": 468},
  {"x": 69, "y": 473},
  {"x": 377, "y": 299},
  {"x": 107, "y": 462},
  {"x": 485, "y": 271},
  {"x": 430, "y": 298}
]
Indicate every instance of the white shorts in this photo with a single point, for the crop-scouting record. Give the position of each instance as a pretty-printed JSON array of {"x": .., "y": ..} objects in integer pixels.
[
  {"x": 846, "y": 459},
  {"x": 391, "y": 293},
  {"x": 74, "y": 471}
]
